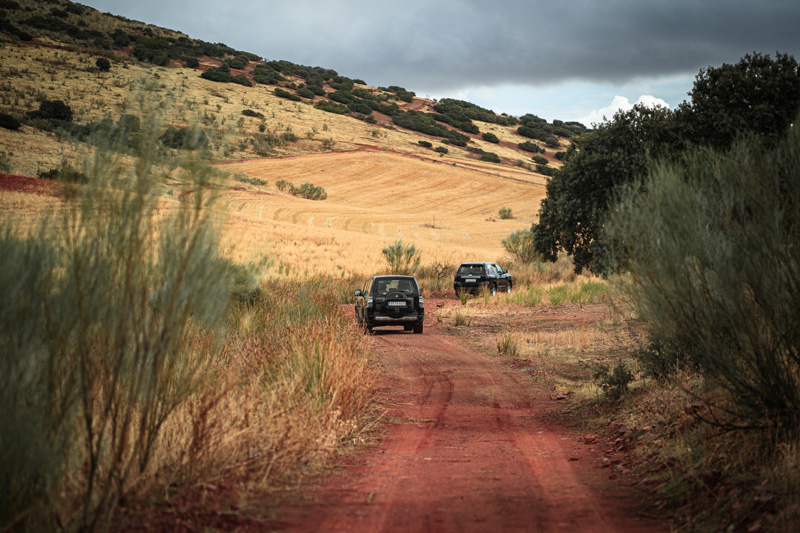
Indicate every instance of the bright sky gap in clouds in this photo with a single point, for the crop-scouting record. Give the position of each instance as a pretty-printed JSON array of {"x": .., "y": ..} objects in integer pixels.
[{"x": 578, "y": 60}]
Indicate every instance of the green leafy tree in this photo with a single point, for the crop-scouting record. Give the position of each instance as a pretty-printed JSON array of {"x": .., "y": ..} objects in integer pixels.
[
  {"x": 758, "y": 94},
  {"x": 571, "y": 215}
]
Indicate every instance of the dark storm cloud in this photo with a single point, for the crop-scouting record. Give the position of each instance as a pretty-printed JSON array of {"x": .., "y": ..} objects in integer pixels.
[{"x": 443, "y": 45}]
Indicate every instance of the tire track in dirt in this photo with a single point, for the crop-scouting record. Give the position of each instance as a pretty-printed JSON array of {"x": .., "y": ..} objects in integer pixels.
[{"x": 466, "y": 449}]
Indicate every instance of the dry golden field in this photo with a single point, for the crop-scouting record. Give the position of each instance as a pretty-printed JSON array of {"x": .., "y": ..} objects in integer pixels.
[{"x": 381, "y": 184}]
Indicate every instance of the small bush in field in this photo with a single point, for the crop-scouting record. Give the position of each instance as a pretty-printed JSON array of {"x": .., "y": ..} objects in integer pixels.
[
  {"x": 251, "y": 113},
  {"x": 221, "y": 74},
  {"x": 52, "y": 110},
  {"x": 66, "y": 174},
  {"x": 490, "y": 137},
  {"x": 505, "y": 213},
  {"x": 540, "y": 160},
  {"x": 241, "y": 79},
  {"x": 309, "y": 191},
  {"x": 507, "y": 345},
  {"x": 8, "y": 122},
  {"x": 103, "y": 64},
  {"x": 613, "y": 382},
  {"x": 520, "y": 244},
  {"x": 282, "y": 185},
  {"x": 425, "y": 144},
  {"x": 490, "y": 157},
  {"x": 460, "y": 319},
  {"x": 402, "y": 258}
]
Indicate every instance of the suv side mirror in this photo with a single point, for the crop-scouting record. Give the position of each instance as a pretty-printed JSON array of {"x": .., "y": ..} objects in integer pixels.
[{"x": 358, "y": 292}]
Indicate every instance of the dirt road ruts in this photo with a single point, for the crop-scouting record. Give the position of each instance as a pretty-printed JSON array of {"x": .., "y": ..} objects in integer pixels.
[{"x": 467, "y": 449}]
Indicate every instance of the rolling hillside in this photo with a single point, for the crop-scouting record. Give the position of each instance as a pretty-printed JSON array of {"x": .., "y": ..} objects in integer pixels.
[{"x": 384, "y": 182}]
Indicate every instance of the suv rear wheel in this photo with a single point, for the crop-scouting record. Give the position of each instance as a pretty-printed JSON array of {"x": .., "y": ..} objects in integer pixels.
[{"x": 417, "y": 328}]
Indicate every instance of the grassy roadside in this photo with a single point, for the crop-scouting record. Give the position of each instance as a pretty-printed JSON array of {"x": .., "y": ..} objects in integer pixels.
[
  {"x": 139, "y": 361},
  {"x": 658, "y": 434}
]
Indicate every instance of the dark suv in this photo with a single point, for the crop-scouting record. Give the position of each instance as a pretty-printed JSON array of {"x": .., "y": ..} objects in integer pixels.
[
  {"x": 473, "y": 276},
  {"x": 391, "y": 301}
]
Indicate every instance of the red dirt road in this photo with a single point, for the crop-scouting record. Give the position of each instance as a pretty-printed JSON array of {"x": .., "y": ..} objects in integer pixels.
[{"x": 467, "y": 449}]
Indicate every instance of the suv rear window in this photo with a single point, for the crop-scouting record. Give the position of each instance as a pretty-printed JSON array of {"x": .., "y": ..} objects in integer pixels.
[
  {"x": 470, "y": 270},
  {"x": 406, "y": 286}
]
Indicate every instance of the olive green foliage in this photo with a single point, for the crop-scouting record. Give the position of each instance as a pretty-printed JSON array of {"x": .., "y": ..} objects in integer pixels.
[
  {"x": 221, "y": 74},
  {"x": 505, "y": 213},
  {"x": 711, "y": 246},
  {"x": 9, "y": 122},
  {"x": 613, "y": 382},
  {"x": 308, "y": 191},
  {"x": 461, "y": 111},
  {"x": 184, "y": 138},
  {"x": 52, "y": 110},
  {"x": 103, "y": 64},
  {"x": 491, "y": 157},
  {"x": 531, "y": 147},
  {"x": 66, "y": 174},
  {"x": 441, "y": 150},
  {"x": 521, "y": 246},
  {"x": 490, "y": 137},
  {"x": 597, "y": 165},
  {"x": 107, "y": 325},
  {"x": 331, "y": 107},
  {"x": 283, "y": 93},
  {"x": 426, "y": 123},
  {"x": 402, "y": 258},
  {"x": 241, "y": 79},
  {"x": 251, "y": 113},
  {"x": 425, "y": 144},
  {"x": 758, "y": 94}
]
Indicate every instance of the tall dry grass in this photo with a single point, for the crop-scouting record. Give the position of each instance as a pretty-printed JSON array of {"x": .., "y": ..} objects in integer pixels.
[{"x": 127, "y": 364}]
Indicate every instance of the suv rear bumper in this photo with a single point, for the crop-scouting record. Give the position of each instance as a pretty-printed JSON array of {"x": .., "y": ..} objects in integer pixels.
[{"x": 383, "y": 320}]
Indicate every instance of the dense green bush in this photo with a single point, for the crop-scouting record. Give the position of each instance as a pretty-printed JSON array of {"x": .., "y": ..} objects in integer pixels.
[
  {"x": 441, "y": 150},
  {"x": 52, "y": 110},
  {"x": 305, "y": 92},
  {"x": 425, "y": 144},
  {"x": 711, "y": 246},
  {"x": 331, "y": 107},
  {"x": 191, "y": 62},
  {"x": 184, "y": 138},
  {"x": 221, "y": 74},
  {"x": 530, "y": 147},
  {"x": 541, "y": 160},
  {"x": 283, "y": 93},
  {"x": 308, "y": 191},
  {"x": 251, "y": 113},
  {"x": 238, "y": 62},
  {"x": 9, "y": 122},
  {"x": 66, "y": 174},
  {"x": 490, "y": 157},
  {"x": 103, "y": 64},
  {"x": 242, "y": 79},
  {"x": 490, "y": 137}
]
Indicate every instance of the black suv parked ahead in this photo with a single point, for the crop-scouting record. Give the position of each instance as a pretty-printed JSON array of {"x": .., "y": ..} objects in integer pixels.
[
  {"x": 473, "y": 276},
  {"x": 391, "y": 301}
]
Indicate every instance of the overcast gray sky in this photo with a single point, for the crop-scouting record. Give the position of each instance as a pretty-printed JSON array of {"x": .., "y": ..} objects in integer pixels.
[{"x": 576, "y": 60}]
